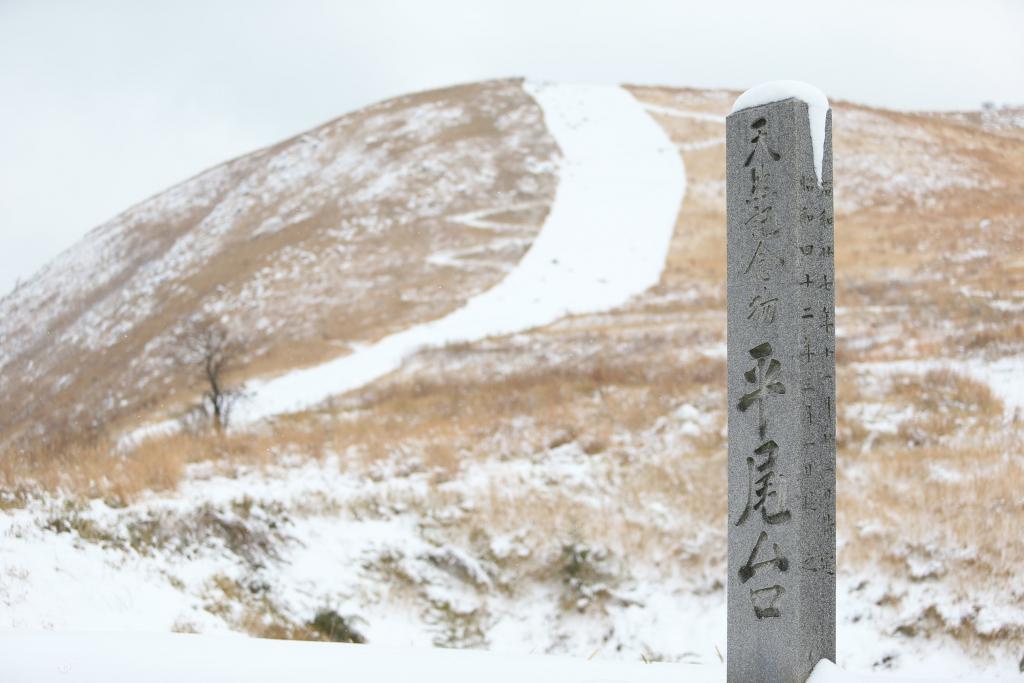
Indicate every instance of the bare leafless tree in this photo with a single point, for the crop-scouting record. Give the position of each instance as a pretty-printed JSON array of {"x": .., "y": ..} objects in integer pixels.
[{"x": 207, "y": 346}]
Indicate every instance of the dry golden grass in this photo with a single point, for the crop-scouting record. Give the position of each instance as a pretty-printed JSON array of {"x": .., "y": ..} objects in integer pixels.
[
  {"x": 101, "y": 469},
  {"x": 936, "y": 502},
  {"x": 948, "y": 516},
  {"x": 914, "y": 248},
  {"x": 690, "y": 487},
  {"x": 98, "y": 469},
  {"x": 438, "y": 422}
]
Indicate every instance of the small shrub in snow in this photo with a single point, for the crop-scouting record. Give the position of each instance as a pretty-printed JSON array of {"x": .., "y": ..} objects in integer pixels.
[
  {"x": 462, "y": 566},
  {"x": 457, "y": 625},
  {"x": 335, "y": 628},
  {"x": 71, "y": 521},
  {"x": 248, "y": 529},
  {"x": 586, "y": 575}
]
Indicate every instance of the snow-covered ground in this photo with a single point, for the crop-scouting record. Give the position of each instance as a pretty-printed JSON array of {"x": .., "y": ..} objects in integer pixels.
[
  {"x": 101, "y": 658},
  {"x": 605, "y": 240},
  {"x": 308, "y": 535},
  {"x": 386, "y": 552}
]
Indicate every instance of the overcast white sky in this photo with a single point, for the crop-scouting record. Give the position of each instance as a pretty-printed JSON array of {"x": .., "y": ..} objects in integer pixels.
[{"x": 105, "y": 103}]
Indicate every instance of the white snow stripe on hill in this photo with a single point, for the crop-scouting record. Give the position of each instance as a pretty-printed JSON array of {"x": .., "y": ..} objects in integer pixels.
[
  {"x": 684, "y": 114},
  {"x": 700, "y": 144},
  {"x": 605, "y": 240}
]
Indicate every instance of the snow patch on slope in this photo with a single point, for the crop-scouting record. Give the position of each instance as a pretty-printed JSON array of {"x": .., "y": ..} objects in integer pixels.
[
  {"x": 1002, "y": 375},
  {"x": 605, "y": 240}
]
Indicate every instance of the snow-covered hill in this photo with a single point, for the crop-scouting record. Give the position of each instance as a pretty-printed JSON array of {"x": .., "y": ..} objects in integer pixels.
[
  {"x": 310, "y": 247},
  {"x": 528, "y": 459}
]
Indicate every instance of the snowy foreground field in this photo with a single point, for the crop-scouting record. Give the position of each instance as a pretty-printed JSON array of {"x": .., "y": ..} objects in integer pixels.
[
  {"x": 104, "y": 657},
  {"x": 287, "y": 542},
  {"x": 101, "y": 658}
]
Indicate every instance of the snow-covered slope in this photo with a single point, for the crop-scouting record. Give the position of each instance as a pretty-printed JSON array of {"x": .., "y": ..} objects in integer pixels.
[
  {"x": 306, "y": 249},
  {"x": 604, "y": 240}
]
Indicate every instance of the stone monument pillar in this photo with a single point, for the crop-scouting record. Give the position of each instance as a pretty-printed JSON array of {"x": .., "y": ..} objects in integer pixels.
[{"x": 781, "y": 364}]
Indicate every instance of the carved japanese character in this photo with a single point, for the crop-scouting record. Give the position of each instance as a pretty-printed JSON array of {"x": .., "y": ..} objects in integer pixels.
[
  {"x": 764, "y": 601},
  {"x": 761, "y": 153},
  {"x": 764, "y": 374},
  {"x": 815, "y": 563},
  {"x": 807, "y": 354},
  {"x": 748, "y": 570},
  {"x": 827, "y": 324},
  {"x": 809, "y": 215},
  {"x": 763, "y": 258},
  {"x": 762, "y": 309},
  {"x": 768, "y": 486},
  {"x": 761, "y": 201}
]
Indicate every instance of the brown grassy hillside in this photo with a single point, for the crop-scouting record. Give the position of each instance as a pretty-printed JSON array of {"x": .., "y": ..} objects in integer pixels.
[{"x": 306, "y": 247}]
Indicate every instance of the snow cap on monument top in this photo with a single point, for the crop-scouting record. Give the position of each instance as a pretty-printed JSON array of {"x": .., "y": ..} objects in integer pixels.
[{"x": 776, "y": 91}]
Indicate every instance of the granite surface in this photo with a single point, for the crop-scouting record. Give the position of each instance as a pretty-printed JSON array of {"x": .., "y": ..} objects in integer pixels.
[{"x": 781, "y": 369}]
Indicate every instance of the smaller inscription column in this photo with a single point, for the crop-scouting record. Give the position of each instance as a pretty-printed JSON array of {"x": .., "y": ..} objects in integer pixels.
[{"x": 781, "y": 365}]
